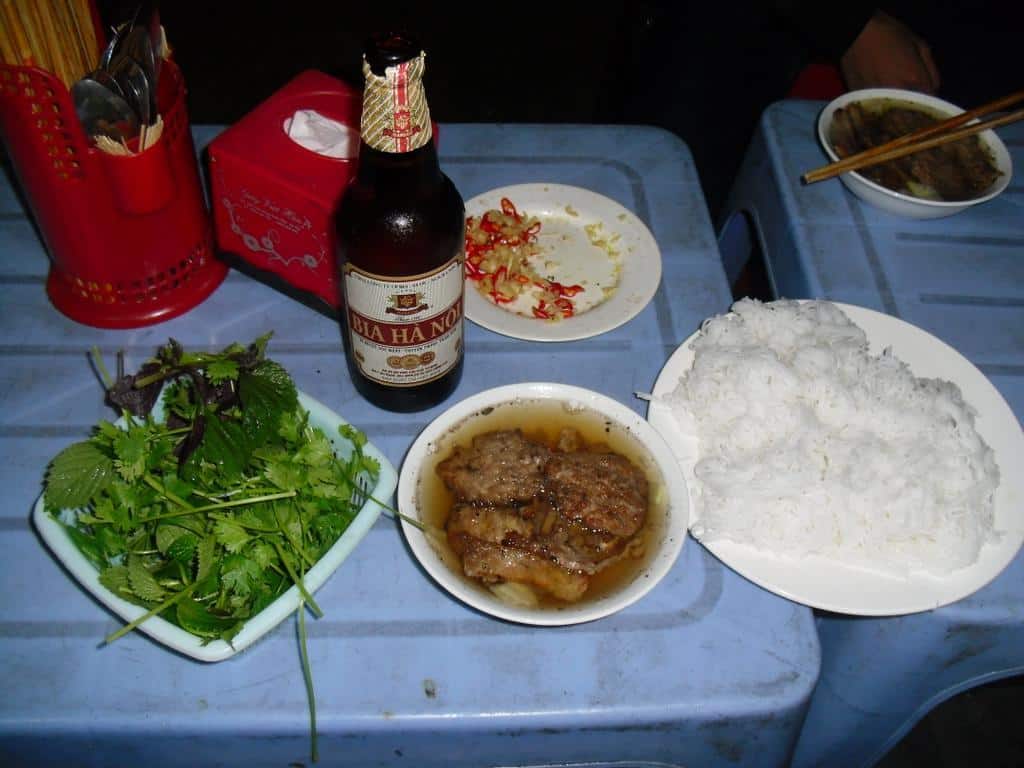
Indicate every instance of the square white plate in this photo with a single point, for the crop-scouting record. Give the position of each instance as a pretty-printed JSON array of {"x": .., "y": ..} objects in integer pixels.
[{"x": 161, "y": 630}]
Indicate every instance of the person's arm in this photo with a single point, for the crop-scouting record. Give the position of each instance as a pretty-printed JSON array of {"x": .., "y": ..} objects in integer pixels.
[
  {"x": 887, "y": 53},
  {"x": 871, "y": 48}
]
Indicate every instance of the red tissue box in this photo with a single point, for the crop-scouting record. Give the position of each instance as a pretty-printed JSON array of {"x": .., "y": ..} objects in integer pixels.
[{"x": 274, "y": 200}]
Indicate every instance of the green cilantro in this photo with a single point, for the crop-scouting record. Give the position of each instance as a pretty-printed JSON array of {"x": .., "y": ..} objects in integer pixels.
[
  {"x": 239, "y": 575},
  {"x": 231, "y": 535},
  {"x": 130, "y": 453}
]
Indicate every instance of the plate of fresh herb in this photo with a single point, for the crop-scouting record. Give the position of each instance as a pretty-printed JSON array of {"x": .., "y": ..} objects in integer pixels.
[{"x": 218, "y": 503}]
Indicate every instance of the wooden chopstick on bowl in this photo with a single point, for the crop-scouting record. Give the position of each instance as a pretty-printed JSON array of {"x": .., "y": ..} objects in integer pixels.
[{"x": 924, "y": 138}]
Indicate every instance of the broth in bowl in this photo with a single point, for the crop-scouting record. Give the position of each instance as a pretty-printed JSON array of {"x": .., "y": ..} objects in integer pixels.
[{"x": 543, "y": 505}]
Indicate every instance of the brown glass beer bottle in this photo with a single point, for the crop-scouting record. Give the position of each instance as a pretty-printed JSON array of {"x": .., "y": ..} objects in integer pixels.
[{"x": 400, "y": 233}]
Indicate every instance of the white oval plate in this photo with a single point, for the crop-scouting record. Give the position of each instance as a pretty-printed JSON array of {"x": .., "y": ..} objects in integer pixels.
[
  {"x": 822, "y": 583},
  {"x": 432, "y": 439},
  {"x": 564, "y": 212}
]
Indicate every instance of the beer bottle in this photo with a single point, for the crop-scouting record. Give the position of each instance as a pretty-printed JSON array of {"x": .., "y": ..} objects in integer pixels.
[{"x": 400, "y": 233}]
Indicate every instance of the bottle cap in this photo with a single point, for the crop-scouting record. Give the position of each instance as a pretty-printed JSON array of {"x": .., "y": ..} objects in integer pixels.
[{"x": 387, "y": 49}]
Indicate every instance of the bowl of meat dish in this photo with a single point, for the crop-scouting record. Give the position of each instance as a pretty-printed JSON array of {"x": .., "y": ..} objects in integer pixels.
[
  {"x": 543, "y": 504},
  {"x": 929, "y": 184}
]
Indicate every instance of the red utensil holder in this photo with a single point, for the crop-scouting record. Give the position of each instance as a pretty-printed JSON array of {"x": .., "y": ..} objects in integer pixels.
[{"x": 129, "y": 237}]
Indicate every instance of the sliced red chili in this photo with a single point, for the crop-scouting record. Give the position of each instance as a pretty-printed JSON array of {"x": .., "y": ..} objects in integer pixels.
[
  {"x": 570, "y": 290},
  {"x": 509, "y": 209},
  {"x": 491, "y": 227}
]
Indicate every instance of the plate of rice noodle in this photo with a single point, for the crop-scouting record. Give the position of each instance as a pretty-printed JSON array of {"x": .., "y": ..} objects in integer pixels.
[
  {"x": 843, "y": 458},
  {"x": 550, "y": 262}
]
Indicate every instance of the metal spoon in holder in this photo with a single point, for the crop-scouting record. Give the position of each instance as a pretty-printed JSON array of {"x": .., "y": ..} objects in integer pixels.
[
  {"x": 102, "y": 109},
  {"x": 135, "y": 85}
]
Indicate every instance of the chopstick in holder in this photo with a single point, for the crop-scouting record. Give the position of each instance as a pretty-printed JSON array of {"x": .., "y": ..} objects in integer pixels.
[
  {"x": 79, "y": 18},
  {"x": 51, "y": 33},
  {"x": 54, "y": 35},
  {"x": 8, "y": 53},
  {"x": 924, "y": 138},
  {"x": 18, "y": 39}
]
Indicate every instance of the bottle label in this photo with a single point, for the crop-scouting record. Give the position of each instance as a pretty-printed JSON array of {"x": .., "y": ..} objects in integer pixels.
[
  {"x": 405, "y": 331},
  {"x": 395, "y": 114}
]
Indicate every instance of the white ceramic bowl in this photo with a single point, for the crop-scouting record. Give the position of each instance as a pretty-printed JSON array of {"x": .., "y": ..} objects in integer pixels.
[
  {"x": 897, "y": 202},
  {"x": 64, "y": 550},
  {"x": 576, "y": 400}
]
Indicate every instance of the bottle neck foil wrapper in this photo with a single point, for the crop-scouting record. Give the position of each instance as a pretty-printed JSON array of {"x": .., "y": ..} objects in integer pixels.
[{"x": 395, "y": 115}]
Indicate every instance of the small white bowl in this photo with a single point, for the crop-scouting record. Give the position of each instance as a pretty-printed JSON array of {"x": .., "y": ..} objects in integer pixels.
[
  {"x": 897, "y": 202},
  {"x": 576, "y": 400},
  {"x": 64, "y": 550}
]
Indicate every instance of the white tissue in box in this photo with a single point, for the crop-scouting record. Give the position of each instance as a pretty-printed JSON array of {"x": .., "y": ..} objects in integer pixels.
[{"x": 313, "y": 131}]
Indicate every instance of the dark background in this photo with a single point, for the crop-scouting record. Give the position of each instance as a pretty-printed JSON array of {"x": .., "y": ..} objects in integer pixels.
[{"x": 702, "y": 70}]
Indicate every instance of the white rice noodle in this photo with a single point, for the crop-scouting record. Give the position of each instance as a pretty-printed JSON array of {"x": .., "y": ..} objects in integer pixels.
[{"x": 809, "y": 444}]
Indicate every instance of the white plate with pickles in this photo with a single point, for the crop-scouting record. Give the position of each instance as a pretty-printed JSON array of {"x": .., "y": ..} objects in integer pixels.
[{"x": 550, "y": 262}]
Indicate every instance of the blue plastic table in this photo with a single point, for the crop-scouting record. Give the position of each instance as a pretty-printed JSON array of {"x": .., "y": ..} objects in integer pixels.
[
  {"x": 706, "y": 669},
  {"x": 961, "y": 279}
]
